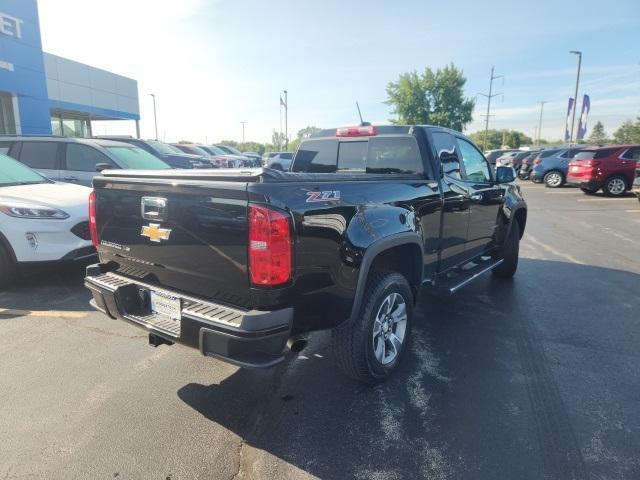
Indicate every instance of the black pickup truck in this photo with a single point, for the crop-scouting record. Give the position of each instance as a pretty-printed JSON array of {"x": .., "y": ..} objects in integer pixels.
[{"x": 242, "y": 264}]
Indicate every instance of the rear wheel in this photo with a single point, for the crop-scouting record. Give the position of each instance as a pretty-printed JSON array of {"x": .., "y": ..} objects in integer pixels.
[
  {"x": 7, "y": 268},
  {"x": 368, "y": 348},
  {"x": 614, "y": 186},
  {"x": 553, "y": 179},
  {"x": 589, "y": 191},
  {"x": 509, "y": 253}
]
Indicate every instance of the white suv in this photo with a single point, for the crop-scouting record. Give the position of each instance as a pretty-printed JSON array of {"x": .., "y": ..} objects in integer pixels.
[
  {"x": 40, "y": 220},
  {"x": 278, "y": 160}
]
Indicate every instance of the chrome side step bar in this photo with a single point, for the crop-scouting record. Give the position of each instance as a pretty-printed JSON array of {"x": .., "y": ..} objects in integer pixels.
[{"x": 462, "y": 278}]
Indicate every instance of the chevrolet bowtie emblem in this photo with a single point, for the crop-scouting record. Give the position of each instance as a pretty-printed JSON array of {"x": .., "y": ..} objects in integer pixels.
[{"x": 155, "y": 233}]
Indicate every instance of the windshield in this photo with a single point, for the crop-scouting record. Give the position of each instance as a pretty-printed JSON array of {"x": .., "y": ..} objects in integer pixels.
[
  {"x": 217, "y": 150},
  {"x": 163, "y": 147},
  {"x": 13, "y": 172},
  {"x": 136, "y": 158}
]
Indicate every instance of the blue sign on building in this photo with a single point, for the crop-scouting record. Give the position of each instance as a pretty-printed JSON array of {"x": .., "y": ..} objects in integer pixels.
[
  {"x": 24, "y": 103},
  {"x": 41, "y": 93}
]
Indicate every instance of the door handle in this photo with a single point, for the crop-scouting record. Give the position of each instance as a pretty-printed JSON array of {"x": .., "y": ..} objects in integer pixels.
[
  {"x": 71, "y": 179},
  {"x": 476, "y": 197}
]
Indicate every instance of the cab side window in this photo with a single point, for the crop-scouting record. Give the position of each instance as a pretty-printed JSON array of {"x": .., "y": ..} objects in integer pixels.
[
  {"x": 82, "y": 158},
  {"x": 445, "y": 146},
  {"x": 475, "y": 166}
]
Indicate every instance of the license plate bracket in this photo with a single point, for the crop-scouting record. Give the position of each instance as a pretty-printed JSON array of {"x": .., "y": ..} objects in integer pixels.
[{"x": 166, "y": 305}]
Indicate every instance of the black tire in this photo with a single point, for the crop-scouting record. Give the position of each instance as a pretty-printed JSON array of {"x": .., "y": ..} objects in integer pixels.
[
  {"x": 612, "y": 188},
  {"x": 551, "y": 179},
  {"x": 588, "y": 191},
  {"x": 7, "y": 268},
  {"x": 353, "y": 342},
  {"x": 509, "y": 253}
]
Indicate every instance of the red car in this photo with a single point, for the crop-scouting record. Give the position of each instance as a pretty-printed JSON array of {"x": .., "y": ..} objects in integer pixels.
[{"x": 610, "y": 168}]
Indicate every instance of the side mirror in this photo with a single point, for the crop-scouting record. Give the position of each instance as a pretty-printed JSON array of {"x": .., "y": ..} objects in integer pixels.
[
  {"x": 102, "y": 166},
  {"x": 505, "y": 174}
]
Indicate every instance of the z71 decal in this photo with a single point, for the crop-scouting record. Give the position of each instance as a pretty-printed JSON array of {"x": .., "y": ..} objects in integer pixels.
[{"x": 325, "y": 196}]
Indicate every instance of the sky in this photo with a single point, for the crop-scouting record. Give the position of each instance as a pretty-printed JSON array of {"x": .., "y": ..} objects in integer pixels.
[{"x": 215, "y": 63}]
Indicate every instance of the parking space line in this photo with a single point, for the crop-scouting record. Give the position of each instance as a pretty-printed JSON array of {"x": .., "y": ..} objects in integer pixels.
[
  {"x": 554, "y": 192},
  {"x": 42, "y": 313},
  {"x": 552, "y": 250},
  {"x": 632, "y": 211},
  {"x": 599, "y": 199}
]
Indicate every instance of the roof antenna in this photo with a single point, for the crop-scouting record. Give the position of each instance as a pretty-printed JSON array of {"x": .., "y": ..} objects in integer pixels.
[{"x": 362, "y": 122}]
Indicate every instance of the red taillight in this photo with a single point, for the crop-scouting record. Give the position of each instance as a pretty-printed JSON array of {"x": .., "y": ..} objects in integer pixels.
[
  {"x": 269, "y": 246},
  {"x": 93, "y": 227},
  {"x": 591, "y": 163},
  {"x": 359, "y": 131}
]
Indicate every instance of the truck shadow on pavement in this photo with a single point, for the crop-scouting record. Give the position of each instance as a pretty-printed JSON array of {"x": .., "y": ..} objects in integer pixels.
[{"x": 496, "y": 383}]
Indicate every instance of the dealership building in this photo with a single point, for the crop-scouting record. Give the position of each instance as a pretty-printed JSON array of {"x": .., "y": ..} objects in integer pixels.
[{"x": 41, "y": 93}]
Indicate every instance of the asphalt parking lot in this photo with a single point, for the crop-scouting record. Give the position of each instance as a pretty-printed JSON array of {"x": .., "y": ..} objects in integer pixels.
[{"x": 530, "y": 379}]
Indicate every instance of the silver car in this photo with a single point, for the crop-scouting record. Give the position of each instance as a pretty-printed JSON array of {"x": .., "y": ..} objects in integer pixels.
[{"x": 76, "y": 160}]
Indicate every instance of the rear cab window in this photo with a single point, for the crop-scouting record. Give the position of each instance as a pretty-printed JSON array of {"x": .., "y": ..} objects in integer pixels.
[{"x": 377, "y": 155}]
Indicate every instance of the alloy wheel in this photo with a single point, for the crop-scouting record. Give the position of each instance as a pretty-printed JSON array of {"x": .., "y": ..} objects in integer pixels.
[
  {"x": 389, "y": 328},
  {"x": 616, "y": 186}
]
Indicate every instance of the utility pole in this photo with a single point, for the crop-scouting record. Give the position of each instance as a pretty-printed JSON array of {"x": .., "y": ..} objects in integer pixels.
[
  {"x": 286, "y": 121},
  {"x": 540, "y": 121},
  {"x": 243, "y": 124},
  {"x": 155, "y": 115},
  {"x": 489, "y": 97},
  {"x": 575, "y": 96}
]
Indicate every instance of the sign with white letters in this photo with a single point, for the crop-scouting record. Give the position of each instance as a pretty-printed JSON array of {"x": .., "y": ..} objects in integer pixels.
[{"x": 10, "y": 25}]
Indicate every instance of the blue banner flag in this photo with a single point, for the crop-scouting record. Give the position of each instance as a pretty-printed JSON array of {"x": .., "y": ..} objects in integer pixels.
[
  {"x": 567, "y": 128},
  {"x": 582, "y": 126}
]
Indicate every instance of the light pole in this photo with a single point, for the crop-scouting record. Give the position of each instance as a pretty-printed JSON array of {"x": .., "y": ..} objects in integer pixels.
[
  {"x": 489, "y": 97},
  {"x": 155, "y": 115},
  {"x": 243, "y": 124},
  {"x": 286, "y": 121},
  {"x": 540, "y": 121},
  {"x": 575, "y": 97}
]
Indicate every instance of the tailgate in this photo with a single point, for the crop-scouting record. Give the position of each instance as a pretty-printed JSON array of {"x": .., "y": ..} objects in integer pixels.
[{"x": 178, "y": 235}]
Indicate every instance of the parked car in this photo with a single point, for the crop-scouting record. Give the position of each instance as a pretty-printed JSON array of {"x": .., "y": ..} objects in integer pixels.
[
  {"x": 610, "y": 168},
  {"x": 217, "y": 160},
  {"x": 232, "y": 160},
  {"x": 636, "y": 182},
  {"x": 40, "y": 220},
  {"x": 493, "y": 155},
  {"x": 365, "y": 218},
  {"x": 526, "y": 164},
  {"x": 513, "y": 159},
  {"x": 551, "y": 166},
  {"x": 77, "y": 160},
  {"x": 256, "y": 159},
  {"x": 168, "y": 154},
  {"x": 229, "y": 149},
  {"x": 280, "y": 161}
]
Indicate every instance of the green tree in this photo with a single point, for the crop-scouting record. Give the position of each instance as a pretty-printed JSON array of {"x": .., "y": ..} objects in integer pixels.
[
  {"x": 501, "y": 138},
  {"x": 436, "y": 98},
  {"x": 598, "y": 135},
  {"x": 629, "y": 132},
  {"x": 277, "y": 141},
  {"x": 301, "y": 135}
]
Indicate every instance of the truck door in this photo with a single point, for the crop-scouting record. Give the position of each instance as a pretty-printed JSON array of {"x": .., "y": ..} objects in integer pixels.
[
  {"x": 456, "y": 201},
  {"x": 486, "y": 198}
]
